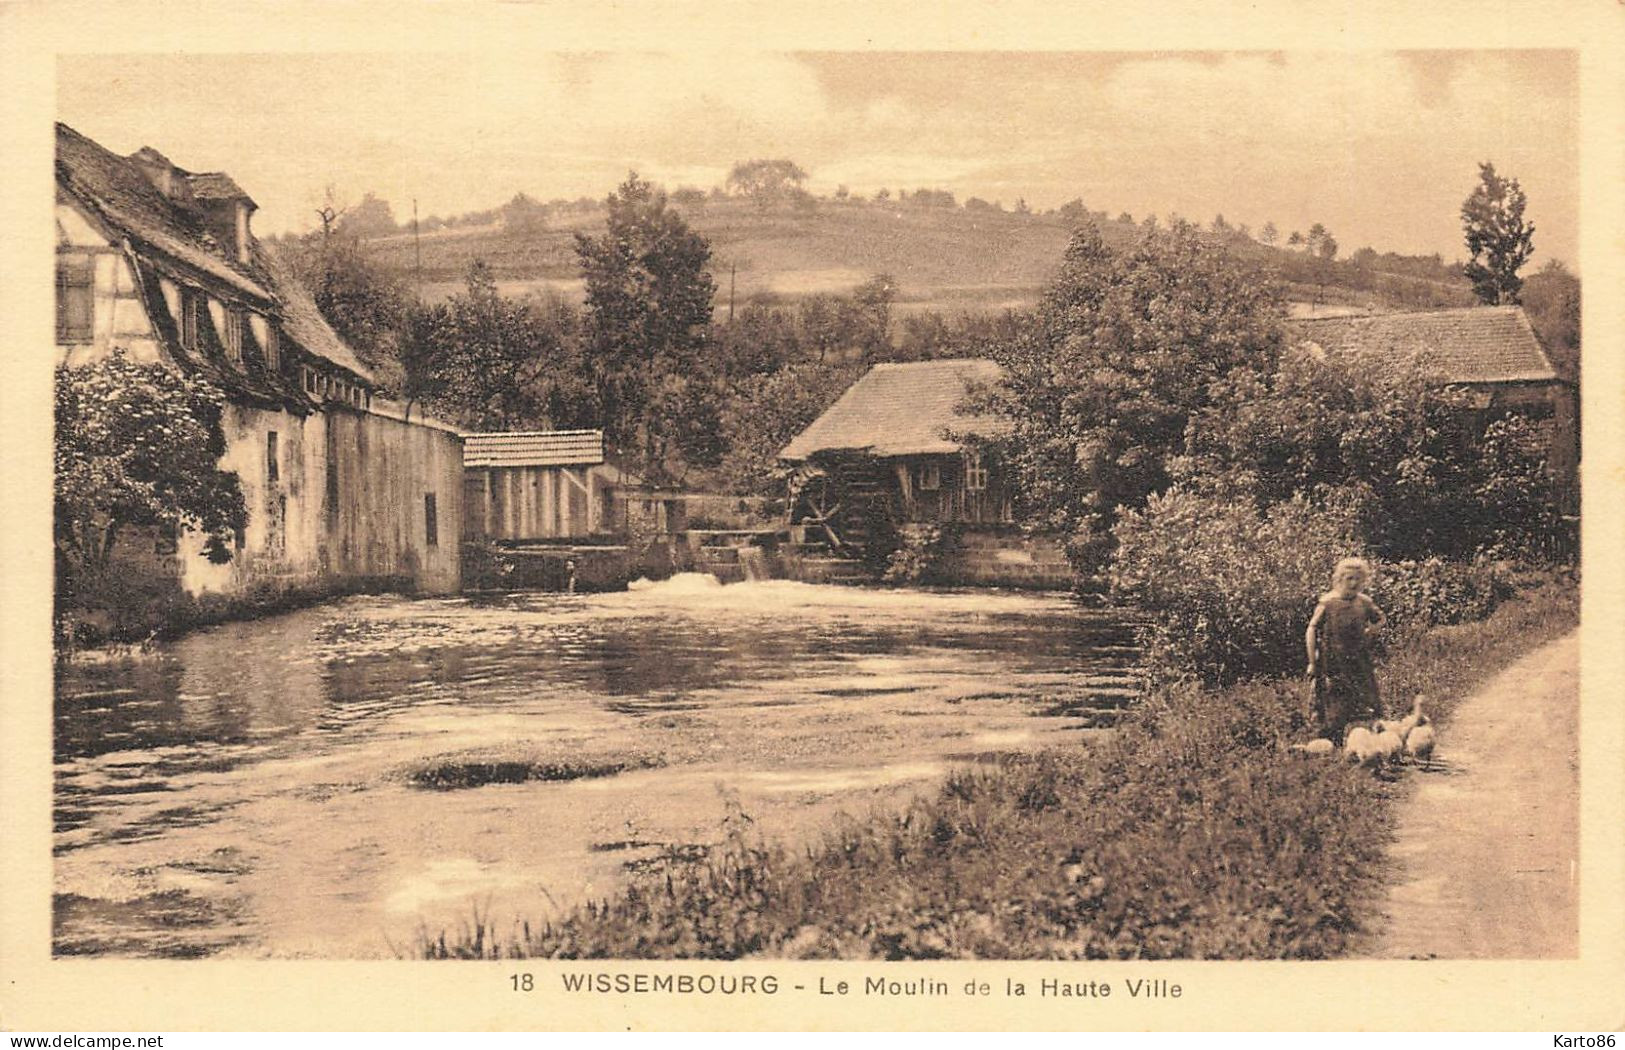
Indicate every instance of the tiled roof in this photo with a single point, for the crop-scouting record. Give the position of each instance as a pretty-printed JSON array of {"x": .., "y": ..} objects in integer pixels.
[
  {"x": 215, "y": 185},
  {"x": 114, "y": 187},
  {"x": 302, "y": 320},
  {"x": 901, "y": 410},
  {"x": 534, "y": 448},
  {"x": 1478, "y": 344}
]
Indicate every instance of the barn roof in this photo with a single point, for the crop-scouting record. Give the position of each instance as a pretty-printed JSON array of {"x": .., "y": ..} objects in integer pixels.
[
  {"x": 1477, "y": 344},
  {"x": 534, "y": 448},
  {"x": 901, "y": 410}
]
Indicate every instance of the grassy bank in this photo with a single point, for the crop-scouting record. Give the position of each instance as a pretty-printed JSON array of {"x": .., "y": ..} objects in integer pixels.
[{"x": 1190, "y": 833}]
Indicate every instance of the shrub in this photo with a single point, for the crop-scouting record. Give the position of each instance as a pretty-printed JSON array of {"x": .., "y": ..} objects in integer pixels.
[
  {"x": 1228, "y": 588},
  {"x": 921, "y": 549},
  {"x": 1433, "y": 591}
]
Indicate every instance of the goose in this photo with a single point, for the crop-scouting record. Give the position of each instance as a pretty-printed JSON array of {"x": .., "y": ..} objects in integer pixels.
[
  {"x": 1419, "y": 744},
  {"x": 1415, "y": 718},
  {"x": 1360, "y": 747},
  {"x": 1389, "y": 744}
]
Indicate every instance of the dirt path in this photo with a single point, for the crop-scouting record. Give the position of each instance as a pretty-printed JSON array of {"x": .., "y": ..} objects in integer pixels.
[{"x": 1487, "y": 847}]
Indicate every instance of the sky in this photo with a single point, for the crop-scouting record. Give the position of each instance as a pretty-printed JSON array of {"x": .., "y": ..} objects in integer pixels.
[{"x": 1380, "y": 147}]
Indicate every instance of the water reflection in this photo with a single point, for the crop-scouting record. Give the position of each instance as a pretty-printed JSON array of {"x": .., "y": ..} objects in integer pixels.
[{"x": 247, "y": 789}]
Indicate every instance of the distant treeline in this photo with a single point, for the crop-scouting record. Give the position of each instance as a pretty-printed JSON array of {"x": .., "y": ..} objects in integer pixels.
[{"x": 1307, "y": 259}]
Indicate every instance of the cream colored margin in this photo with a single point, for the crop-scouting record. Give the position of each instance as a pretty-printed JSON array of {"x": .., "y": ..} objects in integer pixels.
[{"x": 37, "y": 992}]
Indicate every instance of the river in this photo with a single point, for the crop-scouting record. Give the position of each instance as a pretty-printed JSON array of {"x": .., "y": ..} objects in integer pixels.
[{"x": 331, "y": 782}]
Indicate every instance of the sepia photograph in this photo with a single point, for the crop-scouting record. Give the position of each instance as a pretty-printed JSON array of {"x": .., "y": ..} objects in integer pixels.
[{"x": 812, "y": 504}]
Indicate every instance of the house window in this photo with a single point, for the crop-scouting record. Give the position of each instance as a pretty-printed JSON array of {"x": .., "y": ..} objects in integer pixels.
[
  {"x": 75, "y": 300},
  {"x": 975, "y": 472},
  {"x": 310, "y": 381},
  {"x": 272, "y": 473},
  {"x": 234, "y": 335},
  {"x": 273, "y": 348},
  {"x": 431, "y": 520},
  {"x": 191, "y": 303},
  {"x": 929, "y": 478}
]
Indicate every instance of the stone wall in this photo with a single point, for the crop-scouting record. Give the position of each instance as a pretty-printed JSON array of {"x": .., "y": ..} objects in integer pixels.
[
  {"x": 340, "y": 495},
  {"x": 1006, "y": 558}
]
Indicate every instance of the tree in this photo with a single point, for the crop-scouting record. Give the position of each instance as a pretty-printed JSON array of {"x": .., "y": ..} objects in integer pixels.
[
  {"x": 1499, "y": 241},
  {"x": 1382, "y": 436},
  {"x": 1126, "y": 347},
  {"x": 1551, "y": 298},
  {"x": 649, "y": 296},
  {"x": 1074, "y": 211},
  {"x": 1295, "y": 240},
  {"x": 365, "y": 303},
  {"x": 138, "y": 445},
  {"x": 371, "y": 218},
  {"x": 766, "y": 411},
  {"x": 487, "y": 362},
  {"x": 524, "y": 214},
  {"x": 766, "y": 181},
  {"x": 1269, "y": 234},
  {"x": 872, "y": 301}
]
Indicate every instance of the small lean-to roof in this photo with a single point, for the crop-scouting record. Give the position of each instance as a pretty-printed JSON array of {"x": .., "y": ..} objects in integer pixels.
[
  {"x": 1475, "y": 344},
  {"x": 902, "y": 410},
  {"x": 534, "y": 448}
]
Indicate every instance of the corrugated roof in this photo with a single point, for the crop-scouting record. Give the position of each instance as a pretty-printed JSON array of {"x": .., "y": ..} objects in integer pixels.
[
  {"x": 902, "y": 410},
  {"x": 534, "y": 448},
  {"x": 1476, "y": 344}
]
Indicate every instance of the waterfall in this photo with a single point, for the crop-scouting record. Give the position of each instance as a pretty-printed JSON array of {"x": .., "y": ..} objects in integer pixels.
[{"x": 753, "y": 560}]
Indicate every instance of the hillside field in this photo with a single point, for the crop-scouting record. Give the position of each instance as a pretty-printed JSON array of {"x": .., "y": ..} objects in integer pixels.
[{"x": 949, "y": 260}]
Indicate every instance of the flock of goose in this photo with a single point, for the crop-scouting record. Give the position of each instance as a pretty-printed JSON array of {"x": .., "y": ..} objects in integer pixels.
[{"x": 1383, "y": 742}]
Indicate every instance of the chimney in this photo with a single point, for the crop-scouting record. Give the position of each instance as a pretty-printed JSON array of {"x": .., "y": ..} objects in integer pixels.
[{"x": 160, "y": 172}]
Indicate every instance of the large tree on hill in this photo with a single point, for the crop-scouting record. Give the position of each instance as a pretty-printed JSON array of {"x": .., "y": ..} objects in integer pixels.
[
  {"x": 766, "y": 181},
  {"x": 1125, "y": 348},
  {"x": 649, "y": 296},
  {"x": 1499, "y": 241}
]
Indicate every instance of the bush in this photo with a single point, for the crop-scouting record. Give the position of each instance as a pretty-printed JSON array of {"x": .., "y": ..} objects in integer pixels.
[
  {"x": 1227, "y": 588},
  {"x": 1432, "y": 591},
  {"x": 921, "y": 549}
]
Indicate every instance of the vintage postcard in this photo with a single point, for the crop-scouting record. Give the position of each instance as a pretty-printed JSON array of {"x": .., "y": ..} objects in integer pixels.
[{"x": 698, "y": 516}]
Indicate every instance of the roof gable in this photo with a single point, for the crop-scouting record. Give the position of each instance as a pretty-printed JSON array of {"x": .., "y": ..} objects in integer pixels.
[
  {"x": 1480, "y": 344},
  {"x": 901, "y": 410},
  {"x": 119, "y": 196},
  {"x": 117, "y": 191}
]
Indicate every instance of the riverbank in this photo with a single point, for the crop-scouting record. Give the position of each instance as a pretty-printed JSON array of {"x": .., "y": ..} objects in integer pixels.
[{"x": 1191, "y": 833}]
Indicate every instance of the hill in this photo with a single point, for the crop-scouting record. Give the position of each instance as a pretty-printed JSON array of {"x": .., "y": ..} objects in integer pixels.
[{"x": 946, "y": 259}]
